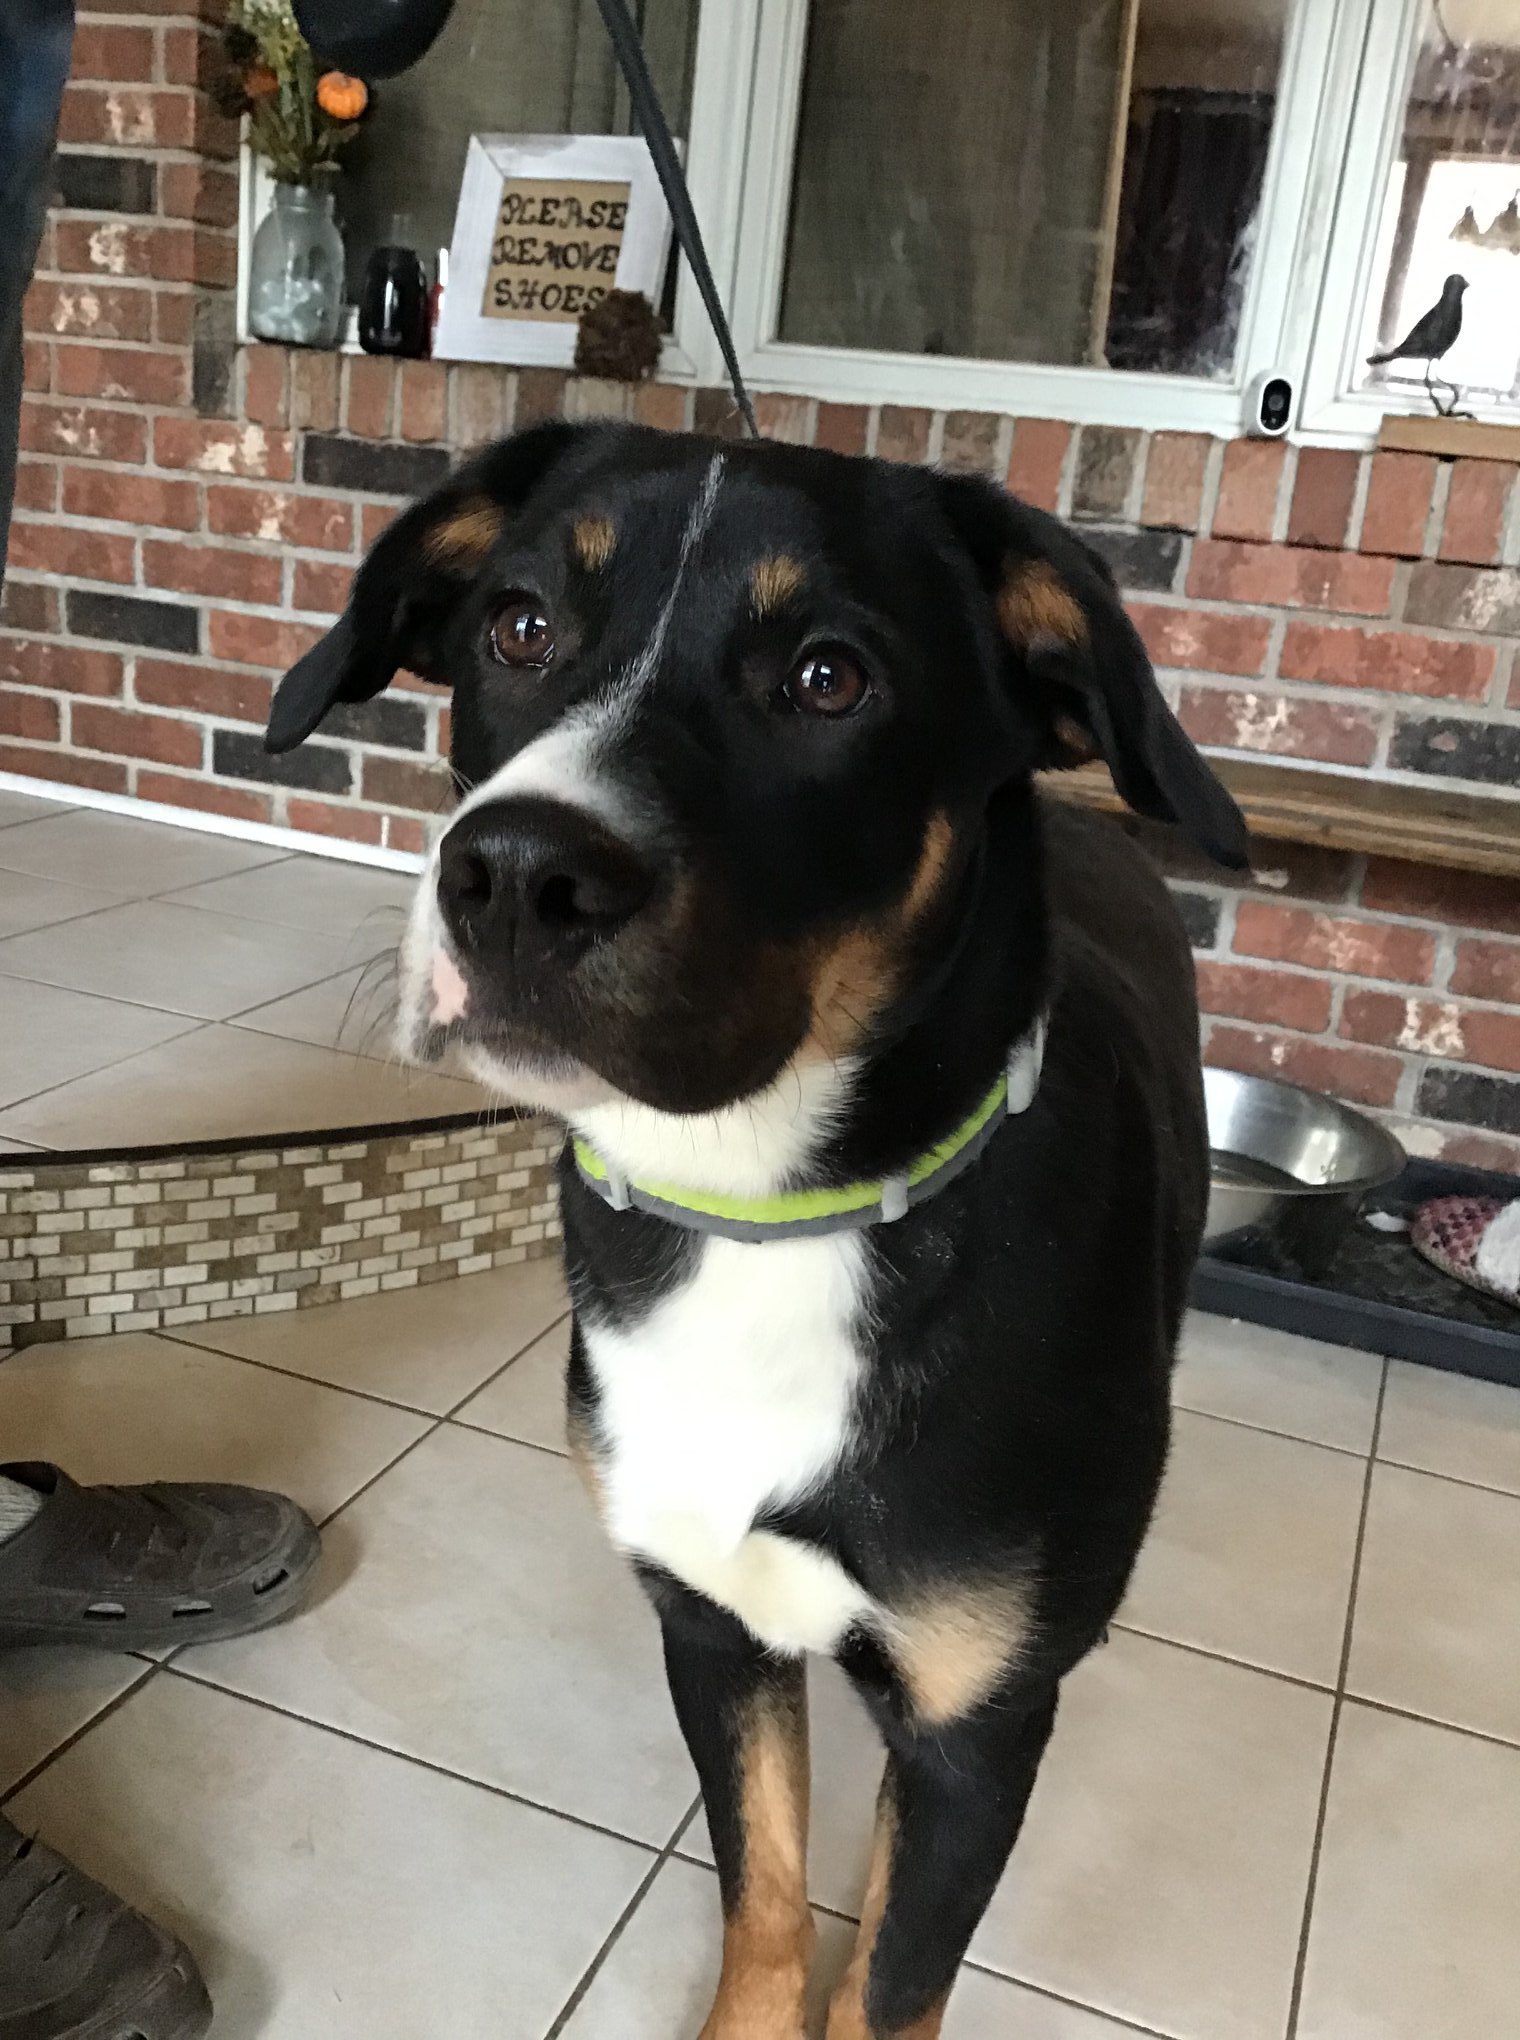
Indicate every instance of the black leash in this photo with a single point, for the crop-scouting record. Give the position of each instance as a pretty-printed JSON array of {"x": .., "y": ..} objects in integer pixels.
[{"x": 629, "y": 50}]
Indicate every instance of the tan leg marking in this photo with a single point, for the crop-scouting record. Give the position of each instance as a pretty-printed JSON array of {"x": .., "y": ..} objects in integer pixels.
[
  {"x": 847, "y": 2008},
  {"x": 595, "y": 540},
  {"x": 952, "y": 1646},
  {"x": 768, "y": 1939}
]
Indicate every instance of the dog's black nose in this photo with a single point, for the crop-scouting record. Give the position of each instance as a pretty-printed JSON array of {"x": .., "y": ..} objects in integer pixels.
[{"x": 538, "y": 879}]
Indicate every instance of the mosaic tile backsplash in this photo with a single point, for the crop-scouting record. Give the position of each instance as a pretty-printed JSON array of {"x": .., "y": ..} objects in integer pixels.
[{"x": 88, "y": 1247}]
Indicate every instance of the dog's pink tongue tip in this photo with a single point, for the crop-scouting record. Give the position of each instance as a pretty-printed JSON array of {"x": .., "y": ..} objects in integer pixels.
[{"x": 451, "y": 994}]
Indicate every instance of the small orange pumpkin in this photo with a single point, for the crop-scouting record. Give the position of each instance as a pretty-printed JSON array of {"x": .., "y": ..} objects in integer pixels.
[
  {"x": 260, "y": 82},
  {"x": 342, "y": 97}
]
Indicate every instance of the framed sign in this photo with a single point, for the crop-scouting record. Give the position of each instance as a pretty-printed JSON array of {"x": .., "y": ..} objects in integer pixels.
[{"x": 546, "y": 226}]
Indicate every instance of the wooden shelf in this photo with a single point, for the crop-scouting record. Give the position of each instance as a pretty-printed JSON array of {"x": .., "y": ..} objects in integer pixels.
[
  {"x": 1450, "y": 438},
  {"x": 1463, "y": 830}
]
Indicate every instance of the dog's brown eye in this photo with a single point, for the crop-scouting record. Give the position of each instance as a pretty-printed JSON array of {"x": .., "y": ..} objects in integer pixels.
[
  {"x": 521, "y": 633},
  {"x": 827, "y": 682}
]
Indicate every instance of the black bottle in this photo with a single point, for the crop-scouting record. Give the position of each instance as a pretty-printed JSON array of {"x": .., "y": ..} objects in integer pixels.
[{"x": 393, "y": 304}]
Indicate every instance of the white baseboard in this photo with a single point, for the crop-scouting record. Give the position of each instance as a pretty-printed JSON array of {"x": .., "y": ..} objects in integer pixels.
[{"x": 336, "y": 847}]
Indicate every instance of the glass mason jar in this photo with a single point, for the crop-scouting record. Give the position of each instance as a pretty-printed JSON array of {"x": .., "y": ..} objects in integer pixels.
[{"x": 295, "y": 278}]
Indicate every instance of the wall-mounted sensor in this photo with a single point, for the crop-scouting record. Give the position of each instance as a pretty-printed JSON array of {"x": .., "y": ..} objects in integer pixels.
[{"x": 1269, "y": 405}]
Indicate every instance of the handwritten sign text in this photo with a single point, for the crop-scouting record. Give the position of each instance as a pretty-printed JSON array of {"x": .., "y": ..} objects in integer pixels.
[{"x": 556, "y": 247}]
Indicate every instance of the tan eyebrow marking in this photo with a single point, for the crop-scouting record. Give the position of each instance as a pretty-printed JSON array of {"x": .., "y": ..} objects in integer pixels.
[
  {"x": 467, "y": 535},
  {"x": 774, "y": 581},
  {"x": 1035, "y": 602},
  {"x": 594, "y": 539}
]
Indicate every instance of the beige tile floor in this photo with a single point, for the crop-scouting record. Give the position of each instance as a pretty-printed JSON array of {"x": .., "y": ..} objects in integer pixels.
[
  {"x": 159, "y": 984},
  {"x": 449, "y": 1799}
]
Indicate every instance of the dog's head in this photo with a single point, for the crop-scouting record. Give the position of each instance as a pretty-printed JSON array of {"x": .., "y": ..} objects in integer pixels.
[{"x": 726, "y": 722}]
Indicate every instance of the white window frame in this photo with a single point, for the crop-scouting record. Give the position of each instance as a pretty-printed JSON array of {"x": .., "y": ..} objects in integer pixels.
[
  {"x": 1334, "y": 409},
  {"x": 742, "y": 171}
]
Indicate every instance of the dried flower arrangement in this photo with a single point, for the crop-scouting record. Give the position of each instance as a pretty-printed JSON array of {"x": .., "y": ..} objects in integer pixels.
[{"x": 299, "y": 119}]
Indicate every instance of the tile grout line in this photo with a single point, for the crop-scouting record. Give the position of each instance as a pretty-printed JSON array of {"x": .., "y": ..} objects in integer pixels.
[
  {"x": 116, "y": 903},
  {"x": 1074, "y": 2004},
  {"x": 1270, "y": 1431},
  {"x": 1300, "y": 1966},
  {"x": 146, "y": 1005},
  {"x": 175, "y": 1335},
  {"x": 505, "y": 1438},
  {"x": 594, "y": 1967},
  {"x": 451, "y": 1415},
  {"x": 167, "y": 897},
  {"x": 21, "y": 821},
  {"x": 81, "y": 1076},
  {"x": 1482, "y": 1735},
  {"x": 206, "y": 1683},
  {"x": 435, "y": 1425},
  {"x": 317, "y": 984},
  {"x": 1461, "y": 1480},
  {"x": 197, "y": 1025},
  {"x": 171, "y": 1667},
  {"x": 1224, "y": 1657},
  {"x": 62, "y": 1749}
]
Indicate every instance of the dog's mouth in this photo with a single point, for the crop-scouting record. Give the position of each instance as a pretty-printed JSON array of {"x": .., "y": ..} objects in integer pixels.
[
  {"x": 587, "y": 1037},
  {"x": 446, "y": 1017}
]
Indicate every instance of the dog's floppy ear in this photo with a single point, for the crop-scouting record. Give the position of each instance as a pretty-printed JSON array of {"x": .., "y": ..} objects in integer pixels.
[
  {"x": 406, "y": 588},
  {"x": 1067, "y": 635}
]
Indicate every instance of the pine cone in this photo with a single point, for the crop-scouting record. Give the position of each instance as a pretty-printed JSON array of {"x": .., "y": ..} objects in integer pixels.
[{"x": 620, "y": 338}]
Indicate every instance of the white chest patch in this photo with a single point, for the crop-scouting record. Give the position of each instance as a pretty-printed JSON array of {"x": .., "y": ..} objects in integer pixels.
[{"x": 738, "y": 1390}]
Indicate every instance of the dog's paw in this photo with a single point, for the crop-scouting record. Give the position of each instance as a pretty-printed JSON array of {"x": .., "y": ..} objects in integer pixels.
[{"x": 760, "y": 2004}]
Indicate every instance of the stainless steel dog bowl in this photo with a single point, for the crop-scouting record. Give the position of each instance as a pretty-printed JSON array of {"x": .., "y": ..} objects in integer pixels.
[{"x": 1289, "y": 1167}]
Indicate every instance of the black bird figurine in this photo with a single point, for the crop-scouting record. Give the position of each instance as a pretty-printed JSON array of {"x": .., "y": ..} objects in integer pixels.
[{"x": 1432, "y": 335}]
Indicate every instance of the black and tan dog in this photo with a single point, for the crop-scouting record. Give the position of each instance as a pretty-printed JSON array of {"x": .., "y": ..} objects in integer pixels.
[{"x": 890, "y": 1163}]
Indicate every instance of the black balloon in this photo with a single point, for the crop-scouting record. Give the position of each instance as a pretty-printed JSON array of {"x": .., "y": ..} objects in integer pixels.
[{"x": 372, "y": 38}]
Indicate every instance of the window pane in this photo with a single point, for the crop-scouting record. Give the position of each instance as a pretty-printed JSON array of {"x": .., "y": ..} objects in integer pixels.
[
  {"x": 1073, "y": 181},
  {"x": 500, "y": 67},
  {"x": 1450, "y": 210}
]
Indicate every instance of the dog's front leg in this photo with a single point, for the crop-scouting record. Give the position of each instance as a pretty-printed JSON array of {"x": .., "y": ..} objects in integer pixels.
[
  {"x": 952, "y": 1802},
  {"x": 743, "y": 1711}
]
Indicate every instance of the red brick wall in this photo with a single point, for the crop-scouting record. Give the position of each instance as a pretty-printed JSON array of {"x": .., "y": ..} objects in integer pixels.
[{"x": 189, "y": 515}]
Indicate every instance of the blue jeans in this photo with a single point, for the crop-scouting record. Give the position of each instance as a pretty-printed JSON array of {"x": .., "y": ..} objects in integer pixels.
[{"x": 36, "y": 40}]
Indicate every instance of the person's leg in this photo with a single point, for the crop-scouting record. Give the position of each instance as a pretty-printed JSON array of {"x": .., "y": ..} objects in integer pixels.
[
  {"x": 18, "y": 1505},
  {"x": 36, "y": 40}
]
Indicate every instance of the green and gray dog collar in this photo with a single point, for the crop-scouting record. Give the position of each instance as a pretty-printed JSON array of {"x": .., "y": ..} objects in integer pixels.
[{"x": 804, "y": 1214}]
